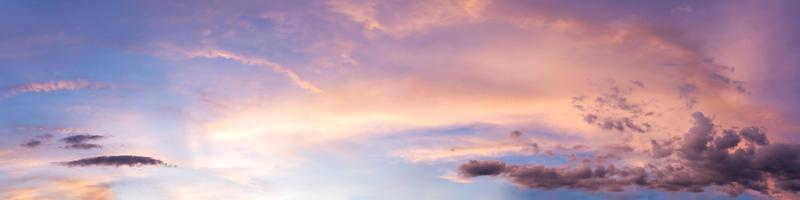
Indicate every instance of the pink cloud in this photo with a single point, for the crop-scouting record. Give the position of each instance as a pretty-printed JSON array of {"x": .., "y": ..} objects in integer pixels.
[{"x": 53, "y": 86}]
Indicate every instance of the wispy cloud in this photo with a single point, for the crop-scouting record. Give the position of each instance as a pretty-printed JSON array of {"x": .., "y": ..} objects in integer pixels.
[
  {"x": 52, "y": 86},
  {"x": 211, "y": 52}
]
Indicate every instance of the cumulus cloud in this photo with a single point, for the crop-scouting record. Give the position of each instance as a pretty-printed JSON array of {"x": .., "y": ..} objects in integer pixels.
[
  {"x": 755, "y": 135},
  {"x": 706, "y": 157},
  {"x": 116, "y": 161},
  {"x": 51, "y": 86}
]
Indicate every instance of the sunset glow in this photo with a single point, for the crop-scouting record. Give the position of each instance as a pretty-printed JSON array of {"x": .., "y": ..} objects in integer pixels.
[{"x": 416, "y": 99}]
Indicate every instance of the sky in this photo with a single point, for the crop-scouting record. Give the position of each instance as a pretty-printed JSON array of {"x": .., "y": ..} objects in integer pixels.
[{"x": 386, "y": 99}]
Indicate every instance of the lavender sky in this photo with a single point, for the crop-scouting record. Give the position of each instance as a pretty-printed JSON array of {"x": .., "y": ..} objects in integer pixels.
[{"x": 415, "y": 99}]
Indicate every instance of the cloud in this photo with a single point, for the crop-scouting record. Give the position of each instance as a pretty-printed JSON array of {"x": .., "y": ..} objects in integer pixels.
[
  {"x": 32, "y": 143},
  {"x": 116, "y": 161},
  {"x": 662, "y": 149},
  {"x": 688, "y": 92},
  {"x": 77, "y": 139},
  {"x": 80, "y": 141},
  {"x": 614, "y": 111},
  {"x": 459, "y": 148},
  {"x": 536, "y": 176},
  {"x": 60, "y": 130},
  {"x": 36, "y": 141},
  {"x": 516, "y": 134},
  {"x": 399, "y": 20},
  {"x": 57, "y": 188},
  {"x": 83, "y": 146},
  {"x": 248, "y": 60},
  {"x": 705, "y": 158},
  {"x": 755, "y": 135},
  {"x": 683, "y": 8},
  {"x": 480, "y": 149},
  {"x": 52, "y": 86},
  {"x": 482, "y": 168}
]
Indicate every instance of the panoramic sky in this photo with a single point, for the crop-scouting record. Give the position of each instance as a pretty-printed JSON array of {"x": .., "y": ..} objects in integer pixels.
[{"x": 412, "y": 99}]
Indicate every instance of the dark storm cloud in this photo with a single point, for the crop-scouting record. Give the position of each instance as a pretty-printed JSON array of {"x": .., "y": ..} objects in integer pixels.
[
  {"x": 116, "y": 161},
  {"x": 705, "y": 158}
]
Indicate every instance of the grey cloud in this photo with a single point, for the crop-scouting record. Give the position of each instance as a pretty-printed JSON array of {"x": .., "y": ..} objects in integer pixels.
[
  {"x": 755, "y": 135},
  {"x": 729, "y": 139},
  {"x": 705, "y": 158},
  {"x": 36, "y": 141},
  {"x": 80, "y": 142},
  {"x": 620, "y": 124},
  {"x": 516, "y": 134},
  {"x": 598, "y": 177},
  {"x": 116, "y": 161},
  {"x": 481, "y": 168},
  {"x": 77, "y": 139},
  {"x": 688, "y": 92},
  {"x": 83, "y": 146},
  {"x": 618, "y": 99},
  {"x": 590, "y": 118},
  {"x": 32, "y": 143},
  {"x": 638, "y": 83},
  {"x": 595, "y": 112},
  {"x": 662, "y": 149}
]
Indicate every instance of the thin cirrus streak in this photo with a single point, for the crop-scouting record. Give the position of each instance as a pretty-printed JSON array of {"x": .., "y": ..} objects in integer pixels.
[
  {"x": 52, "y": 86},
  {"x": 217, "y": 53}
]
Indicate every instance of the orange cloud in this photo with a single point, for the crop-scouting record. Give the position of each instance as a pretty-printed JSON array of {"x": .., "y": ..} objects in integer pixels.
[{"x": 60, "y": 189}]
